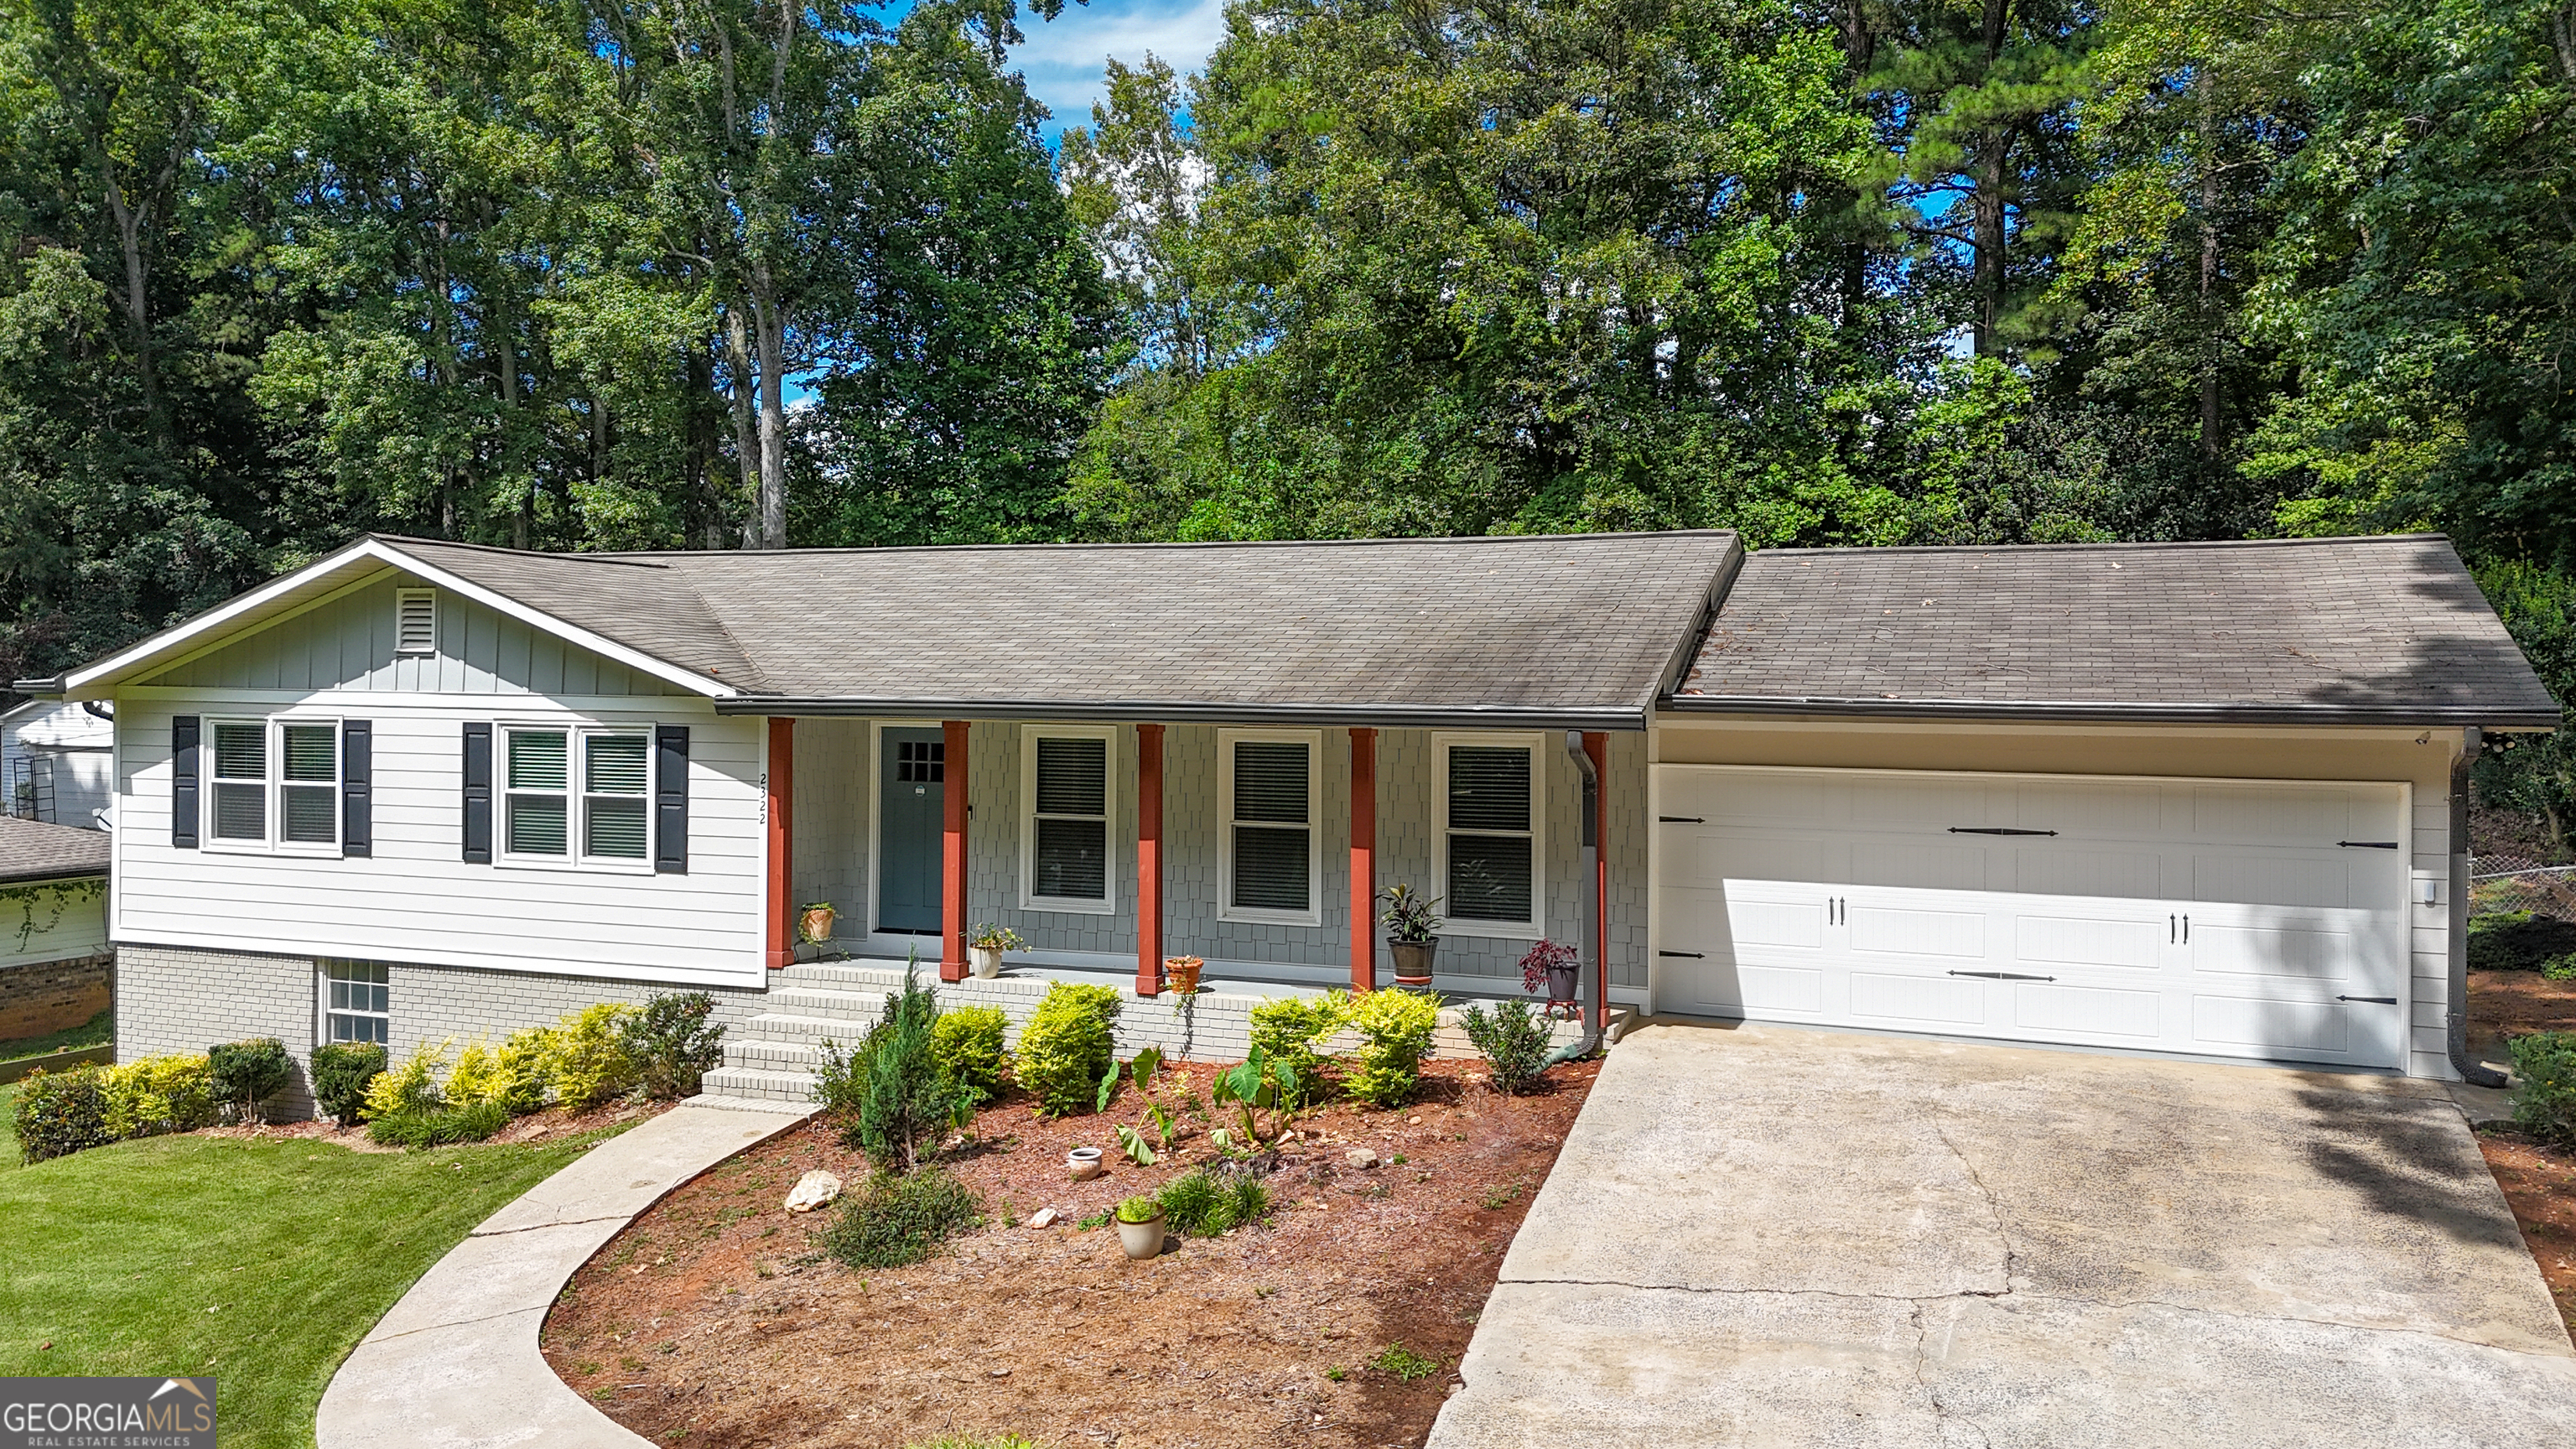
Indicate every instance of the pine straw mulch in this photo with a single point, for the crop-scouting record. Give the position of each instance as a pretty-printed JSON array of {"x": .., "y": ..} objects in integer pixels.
[
  {"x": 713, "y": 1320},
  {"x": 542, "y": 1126}
]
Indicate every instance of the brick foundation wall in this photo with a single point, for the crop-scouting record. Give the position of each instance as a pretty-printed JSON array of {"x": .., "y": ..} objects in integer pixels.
[
  {"x": 38, "y": 997},
  {"x": 184, "y": 999}
]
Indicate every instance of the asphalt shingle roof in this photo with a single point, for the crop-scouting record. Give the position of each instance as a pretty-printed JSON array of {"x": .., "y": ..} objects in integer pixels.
[
  {"x": 2354, "y": 630},
  {"x": 33, "y": 850},
  {"x": 1507, "y": 627}
]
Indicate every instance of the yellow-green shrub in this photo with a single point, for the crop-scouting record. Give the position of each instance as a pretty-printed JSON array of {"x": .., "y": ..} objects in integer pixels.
[
  {"x": 1292, "y": 1029},
  {"x": 524, "y": 1057},
  {"x": 1395, "y": 1027},
  {"x": 587, "y": 1061},
  {"x": 967, "y": 1040},
  {"x": 159, "y": 1094},
  {"x": 1068, "y": 1045},
  {"x": 411, "y": 1087},
  {"x": 512, "y": 1081}
]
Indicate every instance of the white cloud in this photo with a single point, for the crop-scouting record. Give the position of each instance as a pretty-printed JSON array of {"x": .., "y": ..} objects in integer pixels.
[{"x": 1063, "y": 58}]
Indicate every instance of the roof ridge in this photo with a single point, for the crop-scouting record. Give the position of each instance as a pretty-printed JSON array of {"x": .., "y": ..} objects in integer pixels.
[
  {"x": 2104, "y": 546},
  {"x": 1097, "y": 545},
  {"x": 628, "y": 560}
]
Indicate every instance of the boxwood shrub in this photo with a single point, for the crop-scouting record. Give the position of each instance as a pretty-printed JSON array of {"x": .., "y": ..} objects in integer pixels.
[
  {"x": 1068, "y": 1045},
  {"x": 60, "y": 1113},
  {"x": 2518, "y": 941},
  {"x": 2544, "y": 1092},
  {"x": 341, "y": 1072},
  {"x": 246, "y": 1073}
]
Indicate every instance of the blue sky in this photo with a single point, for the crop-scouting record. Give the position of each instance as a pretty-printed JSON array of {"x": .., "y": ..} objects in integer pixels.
[{"x": 1063, "y": 57}]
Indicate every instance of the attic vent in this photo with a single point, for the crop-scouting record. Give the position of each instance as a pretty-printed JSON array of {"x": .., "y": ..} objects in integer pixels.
[{"x": 415, "y": 621}]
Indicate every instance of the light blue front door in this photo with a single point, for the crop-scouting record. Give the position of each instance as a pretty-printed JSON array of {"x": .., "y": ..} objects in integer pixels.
[{"x": 911, "y": 777}]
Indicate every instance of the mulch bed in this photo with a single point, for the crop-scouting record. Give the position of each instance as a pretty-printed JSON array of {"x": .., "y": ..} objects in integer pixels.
[
  {"x": 2540, "y": 1184},
  {"x": 2513, "y": 1003},
  {"x": 535, "y": 1127},
  {"x": 713, "y": 1320}
]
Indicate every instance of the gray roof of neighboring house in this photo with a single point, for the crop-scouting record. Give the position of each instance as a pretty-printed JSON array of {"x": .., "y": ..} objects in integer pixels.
[
  {"x": 1570, "y": 630},
  {"x": 33, "y": 850},
  {"x": 2343, "y": 630}
]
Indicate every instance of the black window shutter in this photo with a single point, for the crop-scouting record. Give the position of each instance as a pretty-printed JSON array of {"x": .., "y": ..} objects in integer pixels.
[
  {"x": 183, "y": 781},
  {"x": 671, "y": 799},
  {"x": 478, "y": 794},
  {"x": 357, "y": 787}
]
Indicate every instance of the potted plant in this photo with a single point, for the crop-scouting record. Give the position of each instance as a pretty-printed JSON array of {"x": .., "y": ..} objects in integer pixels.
[
  {"x": 1181, "y": 973},
  {"x": 1554, "y": 967},
  {"x": 814, "y": 922},
  {"x": 1413, "y": 933},
  {"x": 985, "y": 947},
  {"x": 1140, "y": 1227}
]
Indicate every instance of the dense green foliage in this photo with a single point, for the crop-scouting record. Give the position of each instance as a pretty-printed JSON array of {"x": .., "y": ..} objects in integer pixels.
[
  {"x": 673, "y": 1043},
  {"x": 1069, "y": 1044},
  {"x": 1293, "y": 1029},
  {"x": 153, "y": 1095},
  {"x": 114, "y": 1258},
  {"x": 1394, "y": 1027},
  {"x": 2518, "y": 941},
  {"x": 908, "y": 1097},
  {"x": 341, "y": 1071},
  {"x": 1513, "y": 1039},
  {"x": 898, "y": 1220},
  {"x": 58, "y": 1113},
  {"x": 968, "y": 1041},
  {"x": 1200, "y": 1204},
  {"x": 247, "y": 1073},
  {"x": 2544, "y": 1093}
]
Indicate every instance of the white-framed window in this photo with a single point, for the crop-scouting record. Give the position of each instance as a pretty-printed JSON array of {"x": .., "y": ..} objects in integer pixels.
[
  {"x": 576, "y": 794},
  {"x": 1271, "y": 852},
  {"x": 356, "y": 1005},
  {"x": 1065, "y": 775},
  {"x": 415, "y": 621},
  {"x": 1491, "y": 844},
  {"x": 273, "y": 785}
]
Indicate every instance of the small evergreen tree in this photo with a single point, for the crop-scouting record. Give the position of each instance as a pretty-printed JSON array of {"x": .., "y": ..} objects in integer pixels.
[{"x": 908, "y": 1097}]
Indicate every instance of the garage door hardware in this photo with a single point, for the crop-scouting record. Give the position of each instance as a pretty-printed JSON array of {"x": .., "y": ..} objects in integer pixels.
[
  {"x": 1693, "y": 955},
  {"x": 2003, "y": 976},
  {"x": 1680, "y": 820},
  {"x": 2373, "y": 1000},
  {"x": 1995, "y": 830},
  {"x": 2178, "y": 930},
  {"x": 2368, "y": 844}
]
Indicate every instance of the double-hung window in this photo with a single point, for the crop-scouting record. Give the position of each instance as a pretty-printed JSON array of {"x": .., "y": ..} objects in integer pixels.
[
  {"x": 275, "y": 784},
  {"x": 1066, "y": 845},
  {"x": 1267, "y": 781},
  {"x": 576, "y": 795},
  {"x": 354, "y": 1002},
  {"x": 1489, "y": 833}
]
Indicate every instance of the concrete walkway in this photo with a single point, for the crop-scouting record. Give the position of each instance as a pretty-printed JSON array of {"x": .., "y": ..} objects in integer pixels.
[
  {"x": 455, "y": 1364},
  {"x": 1768, "y": 1236}
]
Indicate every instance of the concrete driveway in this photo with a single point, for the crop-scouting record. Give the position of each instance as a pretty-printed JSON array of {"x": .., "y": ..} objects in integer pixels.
[{"x": 1769, "y": 1236}]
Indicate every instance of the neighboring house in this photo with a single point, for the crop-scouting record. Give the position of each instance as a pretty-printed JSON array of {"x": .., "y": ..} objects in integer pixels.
[
  {"x": 57, "y": 764},
  {"x": 2186, "y": 798},
  {"x": 56, "y": 970}
]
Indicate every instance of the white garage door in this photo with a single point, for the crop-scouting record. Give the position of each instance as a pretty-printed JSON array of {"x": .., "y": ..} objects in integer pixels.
[{"x": 2218, "y": 918}]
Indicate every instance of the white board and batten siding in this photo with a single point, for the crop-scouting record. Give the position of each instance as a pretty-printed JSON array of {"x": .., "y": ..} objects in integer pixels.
[
  {"x": 415, "y": 899},
  {"x": 2268, "y": 920}
]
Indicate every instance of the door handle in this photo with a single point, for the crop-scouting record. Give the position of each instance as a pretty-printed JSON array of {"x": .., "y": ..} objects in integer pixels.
[{"x": 2373, "y": 1000}]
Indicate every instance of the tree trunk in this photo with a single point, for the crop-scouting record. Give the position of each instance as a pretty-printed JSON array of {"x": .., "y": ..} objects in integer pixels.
[
  {"x": 746, "y": 448},
  {"x": 1993, "y": 147},
  {"x": 1860, "y": 51},
  {"x": 770, "y": 336},
  {"x": 2213, "y": 442},
  {"x": 138, "y": 305}
]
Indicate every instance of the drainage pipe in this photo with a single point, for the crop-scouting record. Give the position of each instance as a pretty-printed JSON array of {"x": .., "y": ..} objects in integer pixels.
[
  {"x": 1588, "y": 981},
  {"x": 2456, "y": 1018}
]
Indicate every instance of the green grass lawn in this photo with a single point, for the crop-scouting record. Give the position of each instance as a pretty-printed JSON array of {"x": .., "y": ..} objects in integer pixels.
[
  {"x": 98, "y": 1031},
  {"x": 262, "y": 1263}
]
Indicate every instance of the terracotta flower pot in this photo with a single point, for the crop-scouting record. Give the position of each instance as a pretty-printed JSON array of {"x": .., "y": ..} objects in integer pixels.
[
  {"x": 1181, "y": 973},
  {"x": 814, "y": 923},
  {"x": 1141, "y": 1240},
  {"x": 1413, "y": 960}
]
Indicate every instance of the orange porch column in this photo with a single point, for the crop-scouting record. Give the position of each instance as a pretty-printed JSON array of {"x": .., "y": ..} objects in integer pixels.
[
  {"x": 1149, "y": 860},
  {"x": 1597, "y": 746},
  {"x": 952, "y": 851},
  {"x": 1363, "y": 859},
  {"x": 782, "y": 789}
]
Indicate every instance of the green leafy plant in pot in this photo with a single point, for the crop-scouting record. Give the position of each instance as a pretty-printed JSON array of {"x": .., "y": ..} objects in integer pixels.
[
  {"x": 985, "y": 945},
  {"x": 1413, "y": 933},
  {"x": 1140, "y": 1227}
]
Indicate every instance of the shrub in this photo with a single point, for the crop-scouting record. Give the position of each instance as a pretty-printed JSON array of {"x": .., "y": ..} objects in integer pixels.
[
  {"x": 409, "y": 1088},
  {"x": 440, "y": 1126},
  {"x": 341, "y": 1072},
  {"x": 1068, "y": 1046},
  {"x": 1293, "y": 1029},
  {"x": 60, "y": 1113},
  {"x": 1394, "y": 1027},
  {"x": 1201, "y": 1205},
  {"x": 906, "y": 1097},
  {"x": 524, "y": 1060},
  {"x": 247, "y": 1073},
  {"x": 2518, "y": 941},
  {"x": 673, "y": 1043},
  {"x": 2561, "y": 968},
  {"x": 968, "y": 1041},
  {"x": 159, "y": 1094},
  {"x": 1138, "y": 1209},
  {"x": 897, "y": 1221},
  {"x": 1513, "y": 1040},
  {"x": 586, "y": 1060},
  {"x": 511, "y": 1081},
  {"x": 2544, "y": 1093}
]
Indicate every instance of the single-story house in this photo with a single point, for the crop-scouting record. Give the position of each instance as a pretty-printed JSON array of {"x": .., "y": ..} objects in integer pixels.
[
  {"x": 2184, "y": 798},
  {"x": 55, "y": 761},
  {"x": 56, "y": 969}
]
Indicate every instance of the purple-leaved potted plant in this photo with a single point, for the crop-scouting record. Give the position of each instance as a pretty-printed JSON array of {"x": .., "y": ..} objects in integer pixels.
[{"x": 1553, "y": 966}]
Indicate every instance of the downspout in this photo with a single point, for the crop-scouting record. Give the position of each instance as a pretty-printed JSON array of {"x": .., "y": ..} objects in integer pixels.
[
  {"x": 1584, "y": 990},
  {"x": 2476, "y": 1074}
]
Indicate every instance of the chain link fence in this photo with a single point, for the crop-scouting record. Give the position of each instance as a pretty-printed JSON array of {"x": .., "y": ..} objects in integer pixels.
[{"x": 2515, "y": 866}]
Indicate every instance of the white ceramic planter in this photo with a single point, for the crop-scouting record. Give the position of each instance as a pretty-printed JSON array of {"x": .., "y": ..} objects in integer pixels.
[
  {"x": 986, "y": 961},
  {"x": 1141, "y": 1240},
  {"x": 1083, "y": 1163}
]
